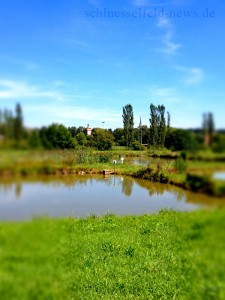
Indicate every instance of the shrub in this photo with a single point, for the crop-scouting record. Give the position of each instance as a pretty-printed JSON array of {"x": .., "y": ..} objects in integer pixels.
[
  {"x": 199, "y": 183},
  {"x": 180, "y": 165},
  {"x": 137, "y": 146}
]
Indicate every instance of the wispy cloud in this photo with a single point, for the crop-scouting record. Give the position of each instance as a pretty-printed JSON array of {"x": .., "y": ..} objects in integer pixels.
[
  {"x": 72, "y": 115},
  {"x": 157, "y": 3},
  {"x": 164, "y": 94},
  {"x": 94, "y": 2},
  {"x": 169, "y": 46},
  {"x": 10, "y": 89},
  {"x": 20, "y": 62},
  {"x": 193, "y": 76},
  {"x": 141, "y": 3},
  {"x": 164, "y": 23},
  {"x": 56, "y": 107}
]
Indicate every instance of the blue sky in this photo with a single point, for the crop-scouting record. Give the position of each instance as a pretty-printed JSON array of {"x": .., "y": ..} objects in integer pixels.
[{"x": 79, "y": 63}]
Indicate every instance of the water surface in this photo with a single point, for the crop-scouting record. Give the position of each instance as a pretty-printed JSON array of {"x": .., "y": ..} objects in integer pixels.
[
  {"x": 219, "y": 175},
  {"x": 80, "y": 196}
]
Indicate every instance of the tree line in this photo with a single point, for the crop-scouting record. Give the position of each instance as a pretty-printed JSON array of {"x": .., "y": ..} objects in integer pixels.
[
  {"x": 11, "y": 124},
  {"x": 157, "y": 135}
]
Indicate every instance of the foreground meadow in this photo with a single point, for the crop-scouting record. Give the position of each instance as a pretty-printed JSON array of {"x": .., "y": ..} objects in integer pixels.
[{"x": 168, "y": 255}]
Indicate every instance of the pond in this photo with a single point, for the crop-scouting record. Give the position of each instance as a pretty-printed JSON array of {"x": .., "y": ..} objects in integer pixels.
[
  {"x": 81, "y": 196},
  {"x": 145, "y": 161}
]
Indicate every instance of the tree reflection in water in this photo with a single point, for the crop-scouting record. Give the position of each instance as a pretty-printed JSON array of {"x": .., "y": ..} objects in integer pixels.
[
  {"x": 127, "y": 186},
  {"x": 125, "y": 183}
]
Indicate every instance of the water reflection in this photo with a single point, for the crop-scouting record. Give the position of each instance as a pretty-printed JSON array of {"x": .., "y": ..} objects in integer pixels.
[
  {"x": 127, "y": 185},
  {"x": 84, "y": 195},
  {"x": 219, "y": 176}
]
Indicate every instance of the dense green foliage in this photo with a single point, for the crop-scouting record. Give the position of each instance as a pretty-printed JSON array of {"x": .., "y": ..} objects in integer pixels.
[
  {"x": 162, "y": 256},
  {"x": 180, "y": 139},
  {"x": 103, "y": 139},
  {"x": 56, "y": 136}
]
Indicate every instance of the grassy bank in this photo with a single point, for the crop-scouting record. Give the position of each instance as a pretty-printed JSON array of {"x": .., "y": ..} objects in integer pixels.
[
  {"x": 163, "y": 256},
  {"x": 32, "y": 163}
]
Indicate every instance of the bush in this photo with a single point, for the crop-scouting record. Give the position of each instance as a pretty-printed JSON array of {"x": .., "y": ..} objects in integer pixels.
[
  {"x": 199, "y": 183},
  {"x": 105, "y": 158},
  {"x": 137, "y": 146},
  {"x": 218, "y": 145},
  {"x": 150, "y": 174}
]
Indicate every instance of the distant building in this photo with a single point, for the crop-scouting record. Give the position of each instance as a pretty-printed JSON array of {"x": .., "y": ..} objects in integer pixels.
[{"x": 89, "y": 129}]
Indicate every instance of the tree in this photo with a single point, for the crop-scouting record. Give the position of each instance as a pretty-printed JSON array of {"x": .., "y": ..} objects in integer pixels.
[
  {"x": 8, "y": 126},
  {"x": 142, "y": 134},
  {"x": 81, "y": 138},
  {"x": 73, "y": 131},
  {"x": 34, "y": 140},
  {"x": 18, "y": 123},
  {"x": 168, "y": 121},
  {"x": 153, "y": 125},
  {"x": 211, "y": 127},
  {"x": 57, "y": 136},
  {"x": 118, "y": 134},
  {"x": 103, "y": 139},
  {"x": 157, "y": 125},
  {"x": 208, "y": 128},
  {"x": 180, "y": 139},
  {"x": 161, "y": 125},
  {"x": 128, "y": 124},
  {"x": 218, "y": 143}
]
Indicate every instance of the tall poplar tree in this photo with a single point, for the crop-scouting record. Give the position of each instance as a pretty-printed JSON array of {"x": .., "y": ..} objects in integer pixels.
[
  {"x": 153, "y": 125},
  {"x": 211, "y": 126},
  {"x": 157, "y": 125},
  {"x": 168, "y": 121},
  {"x": 161, "y": 125},
  {"x": 208, "y": 128},
  {"x": 128, "y": 124},
  {"x": 18, "y": 123}
]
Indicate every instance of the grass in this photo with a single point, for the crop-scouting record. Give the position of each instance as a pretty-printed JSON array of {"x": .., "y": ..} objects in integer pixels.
[{"x": 168, "y": 255}]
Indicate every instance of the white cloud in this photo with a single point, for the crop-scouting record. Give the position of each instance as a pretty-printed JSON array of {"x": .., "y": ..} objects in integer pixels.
[
  {"x": 163, "y": 23},
  {"x": 194, "y": 76},
  {"x": 169, "y": 46}
]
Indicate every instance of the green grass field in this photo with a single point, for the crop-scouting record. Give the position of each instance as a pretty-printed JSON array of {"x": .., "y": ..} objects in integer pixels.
[{"x": 168, "y": 255}]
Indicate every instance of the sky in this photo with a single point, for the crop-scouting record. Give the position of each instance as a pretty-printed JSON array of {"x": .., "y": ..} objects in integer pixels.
[{"x": 80, "y": 62}]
